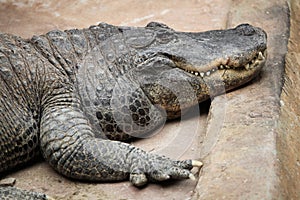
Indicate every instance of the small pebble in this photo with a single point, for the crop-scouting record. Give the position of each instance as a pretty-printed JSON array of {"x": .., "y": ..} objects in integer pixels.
[
  {"x": 255, "y": 114},
  {"x": 7, "y": 182}
]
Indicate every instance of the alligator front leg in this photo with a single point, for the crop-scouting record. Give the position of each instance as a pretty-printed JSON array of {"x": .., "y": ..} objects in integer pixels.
[{"x": 69, "y": 145}]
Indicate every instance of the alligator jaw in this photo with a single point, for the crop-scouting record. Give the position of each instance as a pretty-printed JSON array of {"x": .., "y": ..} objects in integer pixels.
[{"x": 258, "y": 59}]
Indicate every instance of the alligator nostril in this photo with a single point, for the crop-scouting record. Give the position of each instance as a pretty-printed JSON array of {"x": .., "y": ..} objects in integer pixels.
[{"x": 246, "y": 29}]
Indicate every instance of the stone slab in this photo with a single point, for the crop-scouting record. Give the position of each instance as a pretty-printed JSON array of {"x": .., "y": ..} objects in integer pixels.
[{"x": 289, "y": 122}]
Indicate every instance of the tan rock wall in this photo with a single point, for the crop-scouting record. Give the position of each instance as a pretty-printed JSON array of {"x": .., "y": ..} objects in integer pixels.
[{"x": 289, "y": 124}]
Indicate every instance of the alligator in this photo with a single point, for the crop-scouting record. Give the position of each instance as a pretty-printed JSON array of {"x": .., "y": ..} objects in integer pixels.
[{"x": 77, "y": 96}]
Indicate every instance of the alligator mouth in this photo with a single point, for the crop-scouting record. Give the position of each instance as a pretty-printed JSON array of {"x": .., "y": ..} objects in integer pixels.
[{"x": 257, "y": 60}]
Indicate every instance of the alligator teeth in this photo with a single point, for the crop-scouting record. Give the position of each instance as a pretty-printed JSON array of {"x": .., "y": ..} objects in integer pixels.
[
  {"x": 202, "y": 74},
  {"x": 257, "y": 60},
  {"x": 260, "y": 56},
  {"x": 196, "y": 73},
  {"x": 256, "y": 63},
  {"x": 247, "y": 67}
]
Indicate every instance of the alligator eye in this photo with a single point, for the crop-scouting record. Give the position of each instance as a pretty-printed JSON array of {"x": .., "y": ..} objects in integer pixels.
[
  {"x": 246, "y": 29},
  {"x": 157, "y": 25}
]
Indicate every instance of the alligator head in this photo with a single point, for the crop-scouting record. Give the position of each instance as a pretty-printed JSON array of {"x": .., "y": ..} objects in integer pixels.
[{"x": 223, "y": 59}]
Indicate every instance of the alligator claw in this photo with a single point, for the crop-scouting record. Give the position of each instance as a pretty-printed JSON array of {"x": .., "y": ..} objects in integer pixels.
[
  {"x": 197, "y": 163},
  {"x": 192, "y": 177}
]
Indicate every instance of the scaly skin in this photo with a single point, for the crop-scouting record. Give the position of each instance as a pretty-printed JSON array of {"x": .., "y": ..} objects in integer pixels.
[{"x": 60, "y": 90}]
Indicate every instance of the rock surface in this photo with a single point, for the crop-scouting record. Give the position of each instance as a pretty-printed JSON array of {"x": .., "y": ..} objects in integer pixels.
[{"x": 289, "y": 123}]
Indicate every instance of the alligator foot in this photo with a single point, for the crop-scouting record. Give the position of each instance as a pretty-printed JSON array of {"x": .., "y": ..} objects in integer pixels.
[{"x": 161, "y": 169}]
